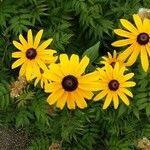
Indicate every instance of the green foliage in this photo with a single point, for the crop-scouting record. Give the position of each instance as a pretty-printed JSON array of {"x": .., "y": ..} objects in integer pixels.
[{"x": 83, "y": 27}]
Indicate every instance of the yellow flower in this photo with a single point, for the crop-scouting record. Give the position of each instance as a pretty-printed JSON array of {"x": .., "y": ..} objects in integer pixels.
[
  {"x": 138, "y": 38},
  {"x": 43, "y": 80},
  {"x": 69, "y": 84},
  {"x": 112, "y": 59},
  {"x": 32, "y": 56},
  {"x": 114, "y": 84}
]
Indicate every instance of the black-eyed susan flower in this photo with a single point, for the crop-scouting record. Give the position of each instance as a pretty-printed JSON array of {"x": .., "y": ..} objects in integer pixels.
[
  {"x": 111, "y": 59},
  {"x": 138, "y": 38},
  {"x": 114, "y": 85},
  {"x": 69, "y": 83},
  {"x": 32, "y": 55}
]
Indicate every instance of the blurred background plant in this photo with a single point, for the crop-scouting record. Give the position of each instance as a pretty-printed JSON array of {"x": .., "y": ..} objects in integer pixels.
[{"x": 83, "y": 27}]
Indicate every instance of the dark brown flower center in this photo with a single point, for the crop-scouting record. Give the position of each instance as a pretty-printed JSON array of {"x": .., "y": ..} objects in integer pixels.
[
  {"x": 143, "y": 38},
  {"x": 113, "y": 85},
  {"x": 69, "y": 83},
  {"x": 31, "y": 53}
]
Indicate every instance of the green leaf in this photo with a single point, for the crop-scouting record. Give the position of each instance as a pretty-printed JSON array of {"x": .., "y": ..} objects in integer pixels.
[{"x": 92, "y": 52}]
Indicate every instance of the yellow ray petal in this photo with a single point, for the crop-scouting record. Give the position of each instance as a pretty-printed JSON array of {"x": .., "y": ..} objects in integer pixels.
[
  {"x": 36, "y": 81},
  {"x": 85, "y": 94},
  {"x": 52, "y": 99},
  {"x": 70, "y": 101},
  {"x": 146, "y": 24},
  {"x": 126, "y": 91},
  {"x": 50, "y": 87},
  {"x": 123, "y": 97},
  {"x": 115, "y": 100},
  {"x": 126, "y": 24},
  {"x": 138, "y": 22},
  {"x": 109, "y": 71},
  {"x": 22, "y": 40},
  {"x": 64, "y": 62},
  {"x": 126, "y": 77},
  {"x": 17, "y": 54},
  {"x": 18, "y": 63},
  {"x": 144, "y": 58},
  {"x": 93, "y": 76},
  {"x": 123, "y": 42},
  {"x": 36, "y": 68},
  {"x": 82, "y": 66},
  {"x": 18, "y": 46},
  {"x": 74, "y": 62},
  {"x": 30, "y": 38},
  {"x": 41, "y": 64},
  {"x": 109, "y": 55},
  {"x": 108, "y": 100},
  {"x": 133, "y": 56},
  {"x": 23, "y": 69},
  {"x": 124, "y": 33},
  {"x": 37, "y": 39},
  {"x": 90, "y": 86},
  {"x": 128, "y": 84},
  {"x": 62, "y": 100},
  {"x": 125, "y": 54},
  {"x": 116, "y": 71},
  {"x": 148, "y": 49},
  {"x": 52, "y": 76},
  {"x": 81, "y": 103},
  {"x": 101, "y": 95},
  {"x": 44, "y": 45},
  {"x": 29, "y": 71}
]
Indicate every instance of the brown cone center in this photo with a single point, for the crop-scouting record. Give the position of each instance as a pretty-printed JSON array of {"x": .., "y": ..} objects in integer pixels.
[
  {"x": 113, "y": 85},
  {"x": 31, "y": 53},
  {"x": 143, "y": 38}
]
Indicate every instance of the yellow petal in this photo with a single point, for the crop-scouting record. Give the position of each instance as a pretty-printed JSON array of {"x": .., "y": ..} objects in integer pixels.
[
  {"x": 90, "y": 86},
  {"x": 23, "y": 69},
  {"x": 125, "y": 54},
  {"x": 146, "y": 24},
  {"x": 82, "y": 66},
  {"x": 22, "y": 40},
  {"x": 138, "y": 22},
  {"x": 115, "y": 100},
  {"x": 18, "y": 63},
  {"x": 52, "y": 76},
  {"x": 64, "y": 62},
  {"x": 29, "y": 71},
  {"x": 44, "y": 45},
  {"x": 133, "y": 56},
  {"x": 74, "y": 62},
  {"x": 101, "y": 95},
  {"x": 124, "y": 33},
  {"x": 126, "y": 91},
  {"x": 108, "y": 100},
  {"x": 37, "y": 38},
  {"x": 116, "y": 71},
  {"x": 81, "y": 103},
  {"x": 128, "y": 84},
  {"x": 109, "y": 71},
  {"x": 70, "y": 101},
  {"x": 36, "y": 68},
  {"x": 126, "y": 24},
  {"x": 41, "y": 64},
  {"x": 93, "y": 76},
  {"x": 36, "y": 81},
  {"x": 144, "y": 58},
  {"x": 18, "y": 45},
  {"x": 123, "y": 42},
  {"x": 17, "y": 54},
  {"x": 123, "y": 97},
  {"x": 86, "y": 94},
  {"x": 50, "y": 87},
  {"x": 30, "y": 38},
  {"x": 55, "y": 96},
  {"x": 126, "y": 77},
  {"x": 148, "y": 49},
  {"x": 62, "y": 101}
]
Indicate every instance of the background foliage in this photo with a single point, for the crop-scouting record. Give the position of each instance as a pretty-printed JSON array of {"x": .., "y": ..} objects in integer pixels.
[{"x": 83, "y": 27}]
